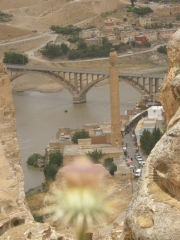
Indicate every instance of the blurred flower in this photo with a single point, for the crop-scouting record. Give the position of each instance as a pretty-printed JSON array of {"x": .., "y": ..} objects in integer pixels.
[{"x": 78, "y": 200}]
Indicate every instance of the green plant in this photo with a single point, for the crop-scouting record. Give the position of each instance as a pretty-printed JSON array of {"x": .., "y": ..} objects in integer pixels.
[
  {"x": 33, "y": 159},
  {"x": 38, "y": 218},
  {"x": 162, "y": 49},
  {"x": 55, "y": 162},
  {"x": 110, "y": 166},
  {"x": 15, "y": 58},
  {"x": 95, "y": 155},
  {"x": 80, "y": 135}
]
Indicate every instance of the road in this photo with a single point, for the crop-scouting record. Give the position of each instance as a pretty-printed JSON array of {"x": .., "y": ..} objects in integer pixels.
[{"x": 66, "y": 70}]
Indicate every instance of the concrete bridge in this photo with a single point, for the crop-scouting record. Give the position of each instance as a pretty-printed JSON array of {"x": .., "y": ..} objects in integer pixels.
[{"x": 79, "y": 82}]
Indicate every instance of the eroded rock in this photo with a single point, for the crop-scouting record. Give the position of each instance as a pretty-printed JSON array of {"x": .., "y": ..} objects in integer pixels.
[
  {"x": 16, "y": 221},
  {"x": 154, "y": 212}
]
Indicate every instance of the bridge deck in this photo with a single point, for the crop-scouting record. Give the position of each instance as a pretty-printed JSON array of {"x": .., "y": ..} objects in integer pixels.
[{"x": 66, "y": 70}]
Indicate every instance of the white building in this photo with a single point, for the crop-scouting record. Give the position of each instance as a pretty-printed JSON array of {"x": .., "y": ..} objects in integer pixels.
[{"x": 155, "y": 112}]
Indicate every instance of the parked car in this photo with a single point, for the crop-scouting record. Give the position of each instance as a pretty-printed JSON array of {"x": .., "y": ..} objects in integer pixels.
[
  {"x": 138, "y": 156},
  {"x": 139, "y": 159},
  {"x": 138, "y": 172},
  {"x": 142, "y": 162}
]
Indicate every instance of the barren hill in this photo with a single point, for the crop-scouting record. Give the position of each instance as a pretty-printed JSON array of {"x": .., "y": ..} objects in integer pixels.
[{"x": 41, "y": 14}]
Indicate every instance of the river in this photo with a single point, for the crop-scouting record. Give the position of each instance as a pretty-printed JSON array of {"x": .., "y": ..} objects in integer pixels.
[{"x": 39, "y": 115}]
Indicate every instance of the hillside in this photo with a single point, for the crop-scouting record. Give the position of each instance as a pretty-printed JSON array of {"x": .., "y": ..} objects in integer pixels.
[{"x": 41, "y": 14}]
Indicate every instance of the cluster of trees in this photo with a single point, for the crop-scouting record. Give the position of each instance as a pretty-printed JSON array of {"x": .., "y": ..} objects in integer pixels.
[
  {"x": 79, "y": 135},
  {"x": 149, "y": 139},
  {"x": 51, "y": 169},
  {"x": 70, "y": 30},
  {"x": 55, "y": 51},
  {"x": 15, "y": 58},
  {"x": 138, "y": 45},
  {"x": 139, "y": 11},
  {"x": 155, "y": 25},
  {"x": 162, "y": 49},
  {"x": 108, "y": 163},
  {"x": 33, "y": 159}
]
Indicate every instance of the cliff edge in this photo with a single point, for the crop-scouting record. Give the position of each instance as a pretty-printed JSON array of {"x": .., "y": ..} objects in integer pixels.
[
  {"x": 16, "y": 221},
  {"x": 154, "y": 212}
]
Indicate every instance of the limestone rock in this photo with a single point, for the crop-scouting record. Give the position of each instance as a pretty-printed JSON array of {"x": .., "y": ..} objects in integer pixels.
[
  {"x": 168, "y": 101},
  {"x": 16, "y": 221},
  {"x": 154, "y": 212}
]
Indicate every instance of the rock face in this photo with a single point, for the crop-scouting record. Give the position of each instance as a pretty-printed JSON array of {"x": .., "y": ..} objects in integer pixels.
[
  {"x": 154, "y": 212},
  {"x": 168, "y": 101},
  {"x": 16, "y": 220}
]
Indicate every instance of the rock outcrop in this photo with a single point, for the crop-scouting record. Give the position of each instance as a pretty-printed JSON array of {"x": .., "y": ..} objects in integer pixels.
[
  {"x": 154, "y": 212},
  {"x": 16, "y": 221},
  {"x": 168, "y": 101}
]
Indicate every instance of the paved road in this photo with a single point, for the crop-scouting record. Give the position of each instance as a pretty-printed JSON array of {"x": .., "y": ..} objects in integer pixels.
[{"x": 121, "y": 74}]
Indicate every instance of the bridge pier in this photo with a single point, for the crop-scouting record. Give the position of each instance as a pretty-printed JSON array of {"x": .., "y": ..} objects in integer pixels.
[{"x": 79, "y": 99}]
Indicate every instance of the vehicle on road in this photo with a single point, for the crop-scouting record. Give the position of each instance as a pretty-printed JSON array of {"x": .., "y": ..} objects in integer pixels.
[
  {"x": 138, "y": 172},
  {"x": 142, "y": 162},
  {"x": 138, "y": 156},
  {"x": 139, "y": 159},
  {"x": 129, "y": 52}
]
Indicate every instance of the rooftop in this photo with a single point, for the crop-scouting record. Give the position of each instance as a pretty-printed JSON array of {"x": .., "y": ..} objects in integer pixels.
[{"x": 74, "y": 150}]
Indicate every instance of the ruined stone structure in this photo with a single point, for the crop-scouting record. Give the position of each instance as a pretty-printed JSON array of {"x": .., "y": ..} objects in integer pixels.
[
  {"x": 116, "y": 139},
  {"x": 154, "y": 212},
  {"x": 16, "y": 221}
]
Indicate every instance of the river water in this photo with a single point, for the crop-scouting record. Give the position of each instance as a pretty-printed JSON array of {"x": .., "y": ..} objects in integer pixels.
[{"x": 39, "y": 115}]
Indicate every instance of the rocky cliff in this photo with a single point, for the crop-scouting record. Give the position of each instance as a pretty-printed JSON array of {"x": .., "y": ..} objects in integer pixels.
[
  {"x": 154, "y": 212},
  {"x": 16, "y": 221}
]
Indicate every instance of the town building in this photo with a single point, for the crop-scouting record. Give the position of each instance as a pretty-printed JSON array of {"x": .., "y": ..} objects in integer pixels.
[
  {"x": 145, "y": 22},
  {"x": 94, "y": 41},
  {"x": 90, "y": 33},
  {"x": 151, "y": 35},
  {"x": 141, "y": 39},
  {"x": 166, "y": 33},
  {"x": 168, "y": 10},
  {"x": 112, "y": 22}
]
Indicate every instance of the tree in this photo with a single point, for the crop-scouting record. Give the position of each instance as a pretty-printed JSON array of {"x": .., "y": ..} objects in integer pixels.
[
  {"x": 147, "y": 44},
  {"x": 132, "y": 2},
  {"x": 95, "y": 155},
  {"x": 64, "y": 48},
  {"x": 156, "y": 136},
  {"x": 33, "y": 159},
  {"x": 55, "y": 162},
  {"x": 110, "y": 166},
  {"x": 162, "y": 49},
  {"x": 56, "y": 158},
  {"x": 80, "y": 135},
  {"x": 15, "y": 58},
  {"x": 148, "y": 140}
]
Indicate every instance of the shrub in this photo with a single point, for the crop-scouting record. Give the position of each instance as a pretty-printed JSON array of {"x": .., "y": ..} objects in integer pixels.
[
  {"x": 110, "y": 166},
  {"x": 95, "y": 155},
  {"x": 80, "y": 135},
  {"x": 162, "y": 49},
  {"x": 38, "y": 218},
  {"x": 33, "y": 159},
  {"x": 55, "y": 162},
  {"x": 15, "y": 58}
]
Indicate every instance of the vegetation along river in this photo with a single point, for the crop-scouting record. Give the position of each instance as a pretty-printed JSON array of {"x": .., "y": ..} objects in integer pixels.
[{"x": 39, "y": 115}]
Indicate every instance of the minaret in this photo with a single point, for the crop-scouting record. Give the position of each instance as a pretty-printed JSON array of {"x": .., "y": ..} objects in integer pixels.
[{"x": 116, "y": 139}]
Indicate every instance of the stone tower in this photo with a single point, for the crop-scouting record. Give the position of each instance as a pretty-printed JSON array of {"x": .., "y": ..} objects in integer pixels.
[{"x": 116, "y": 139}]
